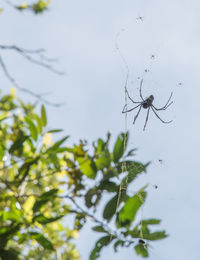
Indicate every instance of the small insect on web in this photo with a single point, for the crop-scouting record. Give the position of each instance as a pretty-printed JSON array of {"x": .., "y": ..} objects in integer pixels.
[{"x": 147, "y": 104}]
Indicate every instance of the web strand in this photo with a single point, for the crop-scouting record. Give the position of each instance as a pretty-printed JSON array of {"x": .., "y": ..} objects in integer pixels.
[{"x": 124, "y": 167}]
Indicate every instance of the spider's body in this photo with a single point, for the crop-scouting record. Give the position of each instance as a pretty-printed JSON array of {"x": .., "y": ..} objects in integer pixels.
[{"x": 147, "y": 104}]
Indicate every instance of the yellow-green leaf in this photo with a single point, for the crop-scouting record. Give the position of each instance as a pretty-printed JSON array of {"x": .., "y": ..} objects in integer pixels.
[
  {"x": 28, "y": 205},
  {"x": 32, "y": 128},
  {"x": 43, "y": 116},
  {"x": 128, "y": 212}
]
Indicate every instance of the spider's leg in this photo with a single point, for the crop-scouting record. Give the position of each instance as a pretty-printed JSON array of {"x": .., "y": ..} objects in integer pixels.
[
  {"x": 125, "y": 111},
  {"x": 166, "y": 105},
  {"x": 125, "y": 106},
  {"x": 162, "y": 108},
  {"x": 141, "y": 82},
  {"x": 136, "y": 116},
  {"x": 131, "y": 98},
  {"x": 165, "y": 122},
  {"x": 147, "y": 117}
]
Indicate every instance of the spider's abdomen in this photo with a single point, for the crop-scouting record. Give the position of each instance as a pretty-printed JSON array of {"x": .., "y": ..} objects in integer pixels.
[
  {"x": 145, "y": 105},
  {"x": 148, "y": 102}
]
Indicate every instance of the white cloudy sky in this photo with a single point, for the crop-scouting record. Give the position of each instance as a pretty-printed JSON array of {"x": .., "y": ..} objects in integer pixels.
[{"x": 82, "y": 34}]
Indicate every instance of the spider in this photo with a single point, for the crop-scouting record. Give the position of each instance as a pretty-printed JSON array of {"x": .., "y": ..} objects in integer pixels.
[{"x": 147, "y": 104}]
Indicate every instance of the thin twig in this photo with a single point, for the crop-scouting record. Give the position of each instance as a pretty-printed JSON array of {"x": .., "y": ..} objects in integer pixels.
[
  {"x": 112, "y": 232},
  {"x": 30, "y": 92},
  {"x": 27, "y": 55}
]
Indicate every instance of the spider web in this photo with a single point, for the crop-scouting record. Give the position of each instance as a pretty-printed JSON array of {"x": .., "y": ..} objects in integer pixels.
[{"x": 124, "y": 166}]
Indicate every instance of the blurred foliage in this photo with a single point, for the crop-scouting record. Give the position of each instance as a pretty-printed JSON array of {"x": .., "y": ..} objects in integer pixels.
[
  {"x": 31, "y": 175},
  {"x": 36, "y": 7},
  {"x": 43, "y": 182}
]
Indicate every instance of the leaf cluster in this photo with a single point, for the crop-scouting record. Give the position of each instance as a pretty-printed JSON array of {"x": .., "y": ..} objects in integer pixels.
[
  {"x": 36, "y": 7},
  {"x": 31, "y": 175},
  {"x": 44, "y": 181}
]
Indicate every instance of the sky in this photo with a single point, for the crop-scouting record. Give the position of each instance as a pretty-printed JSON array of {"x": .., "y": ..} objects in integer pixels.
[{"x": 83, "y": 35}]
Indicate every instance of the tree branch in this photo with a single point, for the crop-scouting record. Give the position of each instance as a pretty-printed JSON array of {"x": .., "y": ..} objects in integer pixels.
[
  {"x": 25, "y": 90},
  {"x": 29, "y": 55},
  {"x": 113, "y": 233}
]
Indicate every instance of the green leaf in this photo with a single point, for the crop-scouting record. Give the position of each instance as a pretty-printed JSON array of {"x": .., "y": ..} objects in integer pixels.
[
  {"x": 10, "y": 254},
  {"x": 21, "y": 7},
  {"x": 55, "y": 131},
  {"x": 43, "y": 220},
  {"x": 39, "y": 122},
  {"x": 43, "y": 241},
  {"x": 4, "y": 116},
  {"x": 70, "y": 163},
  {"x": 87, "y": 167},
  {"x": 18, "y": 143},
  {"x": 127, "y": 214},
  {"x": 155, "y": 235},
  {"x": 100, "y": 146},
  {"x": 43, "y": 116},
  {"x": 49, "y": 194},
  {"x": 61, "y": 150},
  {"x": 108, "y": 186},
  {"x": 32, "y": 128},
  {"x": 10, "y": 216},
  {"x": 8, "y": 232},
  {"x": 111, "y": 207},
  {"x": 15, "y": 210},
  {"x": 131, "y": 152},
  {"x": 70, "y": 150},
  {"x": 44, "y": 198},
  {"x": 2, "y": 151},
  {"x": 24, "y": 170},
  {"x": 6, "y": 103},
  {"x": 104, "y": 241},
  {"x": 31, "y": 145},
  {"x": 134, "y": 233},
  {"x": 134, "y": 169},
  {"x": 120, "y": 146},
  {"x": 57, "y": 145},
  {"x": 3, "y": 230},
  {"x": 53, "y": 158},
  {"x": 117, "y": 244},
  {"x": 151, "y": 221},
  {"x": 92, "y": 197},
  {"x": 103, "y": 160},
  {"x": 141, "y": 250},
  {"x": 99, "y": 229},
  {"x": 110, "y": 173},
  {"x": 40, "y": 6}
]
